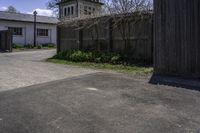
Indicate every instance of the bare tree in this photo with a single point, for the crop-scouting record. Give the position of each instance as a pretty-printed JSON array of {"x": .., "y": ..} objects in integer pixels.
[
  {"x": 120, "y": 11},
  {"x": 113, "y": 6},
  {"x": 127, "y": 6},
  {"x": 52, "y": 5},
  {"x": 12, "y": 9}
]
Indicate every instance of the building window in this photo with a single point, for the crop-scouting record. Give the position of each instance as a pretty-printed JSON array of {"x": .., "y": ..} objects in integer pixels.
[
  {"x": 68, "y": 11},
  {"x": 65, "y": 12},
  {"x": 89, "y": 10},
  {"x": 81, "y": 10},
  {"x": 16, "y": 31},
  {"x": 72, "y": 10},
  {"x": 42, "y": 32},
  {"x": 85, "y": 10}
]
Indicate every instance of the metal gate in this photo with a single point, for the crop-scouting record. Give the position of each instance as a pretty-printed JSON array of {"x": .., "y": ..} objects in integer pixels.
[{"x": 6, "y": 41}]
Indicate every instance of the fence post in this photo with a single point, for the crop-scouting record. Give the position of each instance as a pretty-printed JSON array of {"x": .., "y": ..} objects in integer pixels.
[
  {"x": 80, "y": 39},
  {"x": 6, "y": 41},
  {"x": 110, "y": 36},
  {"x": 9, "y": 41},
  {"x": 0, "y": 42},
  {"x": 58, "y": 39}
]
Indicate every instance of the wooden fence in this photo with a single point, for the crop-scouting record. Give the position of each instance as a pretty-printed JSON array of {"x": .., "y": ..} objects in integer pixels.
[
  {"x": 6, "y": 41},
  {"x": 134, "y": 35},
  {"x": 177, "y": 37}
]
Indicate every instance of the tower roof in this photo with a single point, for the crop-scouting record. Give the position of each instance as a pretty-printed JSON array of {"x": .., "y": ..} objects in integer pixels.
[{"x": 92, "y": 1}]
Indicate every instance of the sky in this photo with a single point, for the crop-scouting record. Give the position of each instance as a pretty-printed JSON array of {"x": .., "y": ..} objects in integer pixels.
[{"x": 27, "y": 6}]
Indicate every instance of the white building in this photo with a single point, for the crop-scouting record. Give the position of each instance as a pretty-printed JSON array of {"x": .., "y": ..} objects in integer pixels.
[
  {"x": 22, "y": 26},
  {"x": 79, "y": 8}
]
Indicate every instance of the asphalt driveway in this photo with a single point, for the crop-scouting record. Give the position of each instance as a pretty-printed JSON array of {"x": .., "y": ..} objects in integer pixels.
[
  {"x": 67, "y": 99},
  {"x": 21, "y": 69},
  {"x": 100, "y": 103}
]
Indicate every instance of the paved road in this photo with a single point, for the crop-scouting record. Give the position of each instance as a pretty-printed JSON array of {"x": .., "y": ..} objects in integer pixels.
[
  {"x": 21, "y": 69},
  {"x": 100, "y": 103}
]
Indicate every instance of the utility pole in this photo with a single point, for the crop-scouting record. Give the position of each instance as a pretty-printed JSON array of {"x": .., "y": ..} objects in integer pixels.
[{"x": 35, "y": 15}]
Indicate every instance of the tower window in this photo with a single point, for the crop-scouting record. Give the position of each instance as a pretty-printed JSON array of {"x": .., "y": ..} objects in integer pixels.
[
  {"x": 85, "y": 10},
  {"x": 93, "y": 11},
  {"x": 81, "y": 10},
  {"x": 89, "y": 10},
  {"x": 65, "y": 12},
  {"x": 68, "y": 11},
  {"x": 72, "y": 10}
]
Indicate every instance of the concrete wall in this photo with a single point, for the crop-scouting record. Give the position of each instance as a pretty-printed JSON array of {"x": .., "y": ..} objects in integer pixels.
[{"x": 28, "y": 32}]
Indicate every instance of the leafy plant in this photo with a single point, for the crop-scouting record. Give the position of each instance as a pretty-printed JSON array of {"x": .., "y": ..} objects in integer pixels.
[
  {"x": 87, "y": 56},
  {"x": 116, "y": 59},
  {"x": 39, "y": 46},
  {"x": 49, "y": 45},
  {"x": 29, "y": 46},
  {"x": 101, "y": 57},
  {"x": 17, "y": 46}
]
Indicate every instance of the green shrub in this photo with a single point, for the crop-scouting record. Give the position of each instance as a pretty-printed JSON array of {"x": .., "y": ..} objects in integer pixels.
[
  {"x": 116, "y": 59},
  {"x": 80, "y": 56},
  {"x": 101, "y": 57},
  {"x": 18, "y": 46},
  {"x": 97, "y": 60},
  {"x": 105, "y": 57},
  {"x": 29, "y": 46},
  {"x": 45, "y": 45},
  {"x": 39, "y": 46},
  {"x": 49, "y": 45},
  {"x": 86, "y": 56}
]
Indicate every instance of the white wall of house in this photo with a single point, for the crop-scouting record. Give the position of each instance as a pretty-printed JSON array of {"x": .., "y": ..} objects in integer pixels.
[{"x": 27, "y": 36}]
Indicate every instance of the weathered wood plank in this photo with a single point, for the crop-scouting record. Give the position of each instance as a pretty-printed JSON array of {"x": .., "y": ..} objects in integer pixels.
[
  {"x": 105, "y": 36},
  {"x": 176, "y": 31},
  {"x": 6, "y": 41}
]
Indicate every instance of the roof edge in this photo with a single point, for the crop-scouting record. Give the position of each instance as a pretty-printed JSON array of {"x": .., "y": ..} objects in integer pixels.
[
  {"x": 100, "y": 3},
  {"x": 27, "y": 14},
  {"x": 29, "y": 21}
]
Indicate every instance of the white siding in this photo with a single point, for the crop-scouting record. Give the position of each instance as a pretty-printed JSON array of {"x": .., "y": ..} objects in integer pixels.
[{"x": 28, "y": 32}]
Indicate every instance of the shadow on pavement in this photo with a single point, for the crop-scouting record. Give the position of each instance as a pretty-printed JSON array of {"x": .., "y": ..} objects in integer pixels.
[{"x": 174, "y": 81}]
